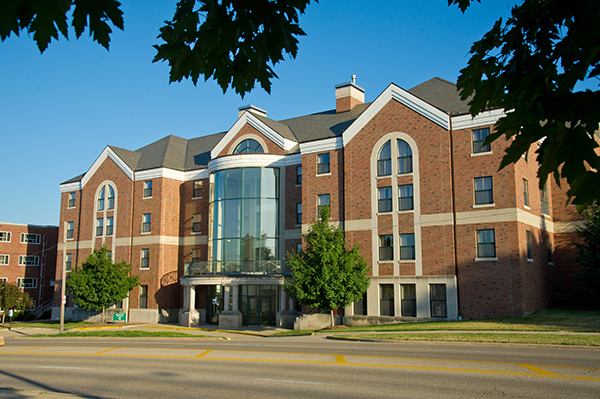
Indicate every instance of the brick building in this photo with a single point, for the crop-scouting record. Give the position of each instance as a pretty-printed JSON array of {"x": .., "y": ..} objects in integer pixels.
[
  {"x": 206, "y": 222},
  {"x": 28, "y": 259}
]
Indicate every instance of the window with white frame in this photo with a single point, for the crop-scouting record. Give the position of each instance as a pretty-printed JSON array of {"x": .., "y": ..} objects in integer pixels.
[
  {"x": 110, "y": 225},
  {"x": 437, "y": 300},
  {"x": 27, "y": 282},
  {"x": 405, "y": 164},
  {"x": 248, "y": 146},
  {"x": 405, "y": 197},
  {"x": 99, "y": 227},
  {"x": 71, "y": 201},
  {"x": 70, "y": 229},
  {"x": 4, "y": 260},
  {"x": 322, "y": 202},
  {"x": 29, "y": 260},
  {"x": 27, "y": 238},
  {"x": 299, "y": 175},
  {"x": 384, "y": 202},
  {"x": 323, "y": 166},
  {"x": 68, "y": 260},
  {"x": 484, "y": 193},
  {"x": 196, "y": 255},
  {"x": 486, "y": 243},
  {"x": 384, "y": 160},
  {"x": 299, "y": 213},
  {"x": 145, "y": 262},
  {"x": 4, "y": 236},
  {"x": 549, "y": 250},
  {"x": 197, "y": 189},
  {"x": 479, "y": 136},
  {"x": 196, "y": 222},
  {"x": 100, "y": 206},
  {"x": 386, "y": 247},
  {"x": 111, "y": 198},
  {"x": 407, "y": 246},
  {"x": 4, "y": 279},
  {"x": 525, "y": 192},
  {"x": 544, "y": 200},
  {"x": 386, "y": 299},
  {"x": 408, "y": 300},
  {"x": 148, "y": 189},
  {"x": 529, "y": 240},
  {"x": 146, "y": 222},
  {"x": 143, "y": 297}
]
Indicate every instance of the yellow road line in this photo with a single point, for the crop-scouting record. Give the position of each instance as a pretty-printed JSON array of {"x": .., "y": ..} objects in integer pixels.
[
  {"x": 537, "y": 369},
  {"x": 107, "y": 350},
  {"x": 206, "y": 352},
  {"x": 340, "y": 359},
  {"x": 29, "y": 349}
]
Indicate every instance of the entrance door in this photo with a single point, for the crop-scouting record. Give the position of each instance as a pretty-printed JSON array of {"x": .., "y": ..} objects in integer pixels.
[{"x": 257, "y": 304}]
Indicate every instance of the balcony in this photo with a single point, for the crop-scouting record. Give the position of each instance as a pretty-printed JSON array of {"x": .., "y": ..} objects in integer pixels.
[{"x": 247, "y": 267}]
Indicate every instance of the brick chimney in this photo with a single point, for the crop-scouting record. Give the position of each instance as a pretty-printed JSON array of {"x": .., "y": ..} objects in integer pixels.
[
  {"x": 255, "y": 110},
  {"x": 348, "y": 95}
]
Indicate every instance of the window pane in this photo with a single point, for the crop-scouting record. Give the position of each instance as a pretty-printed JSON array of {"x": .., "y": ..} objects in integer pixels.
[
  {"x": 438, "y": 300},
  {"x": 234, "y": 183},
  {"x": 386, "y": 299},
  {"x": 232, "y": 219},
  {"x": 409, "y": 300},
  {"x": 384, "y": 160},
  {"x": 252, "y": 182}
]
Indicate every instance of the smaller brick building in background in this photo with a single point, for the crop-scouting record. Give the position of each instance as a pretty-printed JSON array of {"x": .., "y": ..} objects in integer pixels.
[{"x": 28, "y": 259}]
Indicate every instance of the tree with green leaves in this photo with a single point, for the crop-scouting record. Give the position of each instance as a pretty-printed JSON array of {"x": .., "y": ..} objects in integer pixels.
[
  {"x": 99, "y": 283},
  {"x": 326, "y": 275},
  {"x": 13, "y": 298},
  {"x": 589, "y": 254}
]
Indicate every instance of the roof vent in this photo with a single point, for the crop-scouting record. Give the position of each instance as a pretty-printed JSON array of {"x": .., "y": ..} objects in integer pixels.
[
  {"x": 348, "y": 95},
  {"x": 253, "y": 109}
]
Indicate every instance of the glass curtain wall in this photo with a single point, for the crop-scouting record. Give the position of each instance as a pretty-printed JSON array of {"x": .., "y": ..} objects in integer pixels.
[{"x": 245, "y": 207}]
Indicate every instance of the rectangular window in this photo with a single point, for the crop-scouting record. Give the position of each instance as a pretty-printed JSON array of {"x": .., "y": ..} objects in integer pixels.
[
  {"x": 109, "y": 254},
  {"x": 386, "y": 299},
  {"x": 483, "y": 190},
  {"x": 486, "y": 244},
  {"x": 4, "y": 236},
  {"x": 549, "y": 250},
  {"x": 196, "y": 255},
  {"x": 529, "y": 239},
  {"x": 27, "y": 260},
  {"x": 322, "y": 201},
  {"x": 525, "y": 192},
  {"x": 407, "y": 246},
  {"x": 146, "y": 222},
  {"x": 323, "y": 163},
  {"x": 145, "y": 263},
  {"x": 437, "y": 294},
  {"x": 4, "y": 260},
  {"x": 5, "y": 279},
  {"x": 360, "y": 306},
  {"x": 405, "y": 197},
  {"x": 196, "y": 222},
  {"x": 544, "y": 200},
  {"x": 299, "y": 213},
  {"x": 68, "y": 259},
  {"x": 99, "y": 227},
  {"x": 148, "y": 188},
  {"x": 111, "y": 198},
  {"x": 479, "y": 136},
  {"x": 197, "y": 189},
  {"x": 143, "y": 297},
  {"x": 110, "y": 224},
  {"x": 299, "y": 175},
  {"x": 70, "y": 228},
  {"x": 30, "y": 238},
  {"x": 71, "y": 203},
  {"x": 299, "y": 247},
  {"x": 385, "y": 199},
  {"x": 408, "y": 294},
  {"x": 27, "y": 282},
  {"x": 386, "y": 247}
]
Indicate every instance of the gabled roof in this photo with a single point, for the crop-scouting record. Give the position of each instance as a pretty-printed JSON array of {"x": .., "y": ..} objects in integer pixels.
[{"x": 442, "y": 94}]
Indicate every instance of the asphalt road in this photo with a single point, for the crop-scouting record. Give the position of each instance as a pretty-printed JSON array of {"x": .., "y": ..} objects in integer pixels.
[{"x": 299, "y": 367}]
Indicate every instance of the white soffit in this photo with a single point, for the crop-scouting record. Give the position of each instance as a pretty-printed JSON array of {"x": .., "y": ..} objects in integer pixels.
[
  {"x": 248, "y": 118},
  {"x": 331, "y": 144},
  {"x": 69, "y": 187},
  {"x": 171, "y": 174},
  {"x": 107, "y": 153},
  {"x": 402, "y": 96},
  {"x": 485, "y": 118},
  {"x": 248, "y": 160}
]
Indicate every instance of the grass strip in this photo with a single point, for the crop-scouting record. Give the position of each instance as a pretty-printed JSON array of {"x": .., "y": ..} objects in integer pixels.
[
  {"x": 536, "y": 339},
  {"x": 123, "y": 334}
]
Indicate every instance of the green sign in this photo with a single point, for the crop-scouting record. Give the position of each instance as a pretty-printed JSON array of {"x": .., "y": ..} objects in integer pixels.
[{"x": 119, "y": 317}]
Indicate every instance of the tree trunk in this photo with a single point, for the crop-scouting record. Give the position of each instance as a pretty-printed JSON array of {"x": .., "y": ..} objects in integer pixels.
[
  {"x": 332, "y": 320},
  {"x": 3, "y": 314},
  {"x": 103, "y": 315}
]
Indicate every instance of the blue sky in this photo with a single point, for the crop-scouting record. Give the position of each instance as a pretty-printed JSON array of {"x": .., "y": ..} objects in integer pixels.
[{"x": 59, "y": 110}]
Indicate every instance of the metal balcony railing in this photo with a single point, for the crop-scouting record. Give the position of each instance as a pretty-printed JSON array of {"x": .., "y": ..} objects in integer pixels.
[{"x": 232, "y": 267}]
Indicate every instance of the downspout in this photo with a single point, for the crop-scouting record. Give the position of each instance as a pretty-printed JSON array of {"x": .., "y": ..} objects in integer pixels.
[{"x": 454, "y": 227}]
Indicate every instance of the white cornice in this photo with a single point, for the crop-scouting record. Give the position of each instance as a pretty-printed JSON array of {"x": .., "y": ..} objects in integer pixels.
[
  {"x": 68, "y": 187},
  {"x": 248, "y": 160},
  {"x": 396, "y": 93},
  {"x": 311, "y": 147},
  {"x": 171, "y": 174},
  {"x": 248, "y": 118},
  {"x": 485, "y": 118},
  {"x": 107, "y": 153}
]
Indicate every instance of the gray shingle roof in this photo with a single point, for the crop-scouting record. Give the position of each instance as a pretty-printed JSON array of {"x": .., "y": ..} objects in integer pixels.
[{"x": 442, "y": 94}]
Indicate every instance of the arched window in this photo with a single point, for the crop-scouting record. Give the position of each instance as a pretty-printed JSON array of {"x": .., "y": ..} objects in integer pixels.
[
  {"x": 248, "y": 146},
  {"x": 404, "y": 157},
  {"x": 101, "y": 200},
  {"x": 384, "y": 160},
  {"x": 111, "y": 198}
]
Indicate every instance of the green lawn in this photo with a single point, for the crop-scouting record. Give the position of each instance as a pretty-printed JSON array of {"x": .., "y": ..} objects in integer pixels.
[
  {"x": 46, "y": 324},
  {"x": 122, "y": 334}
]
